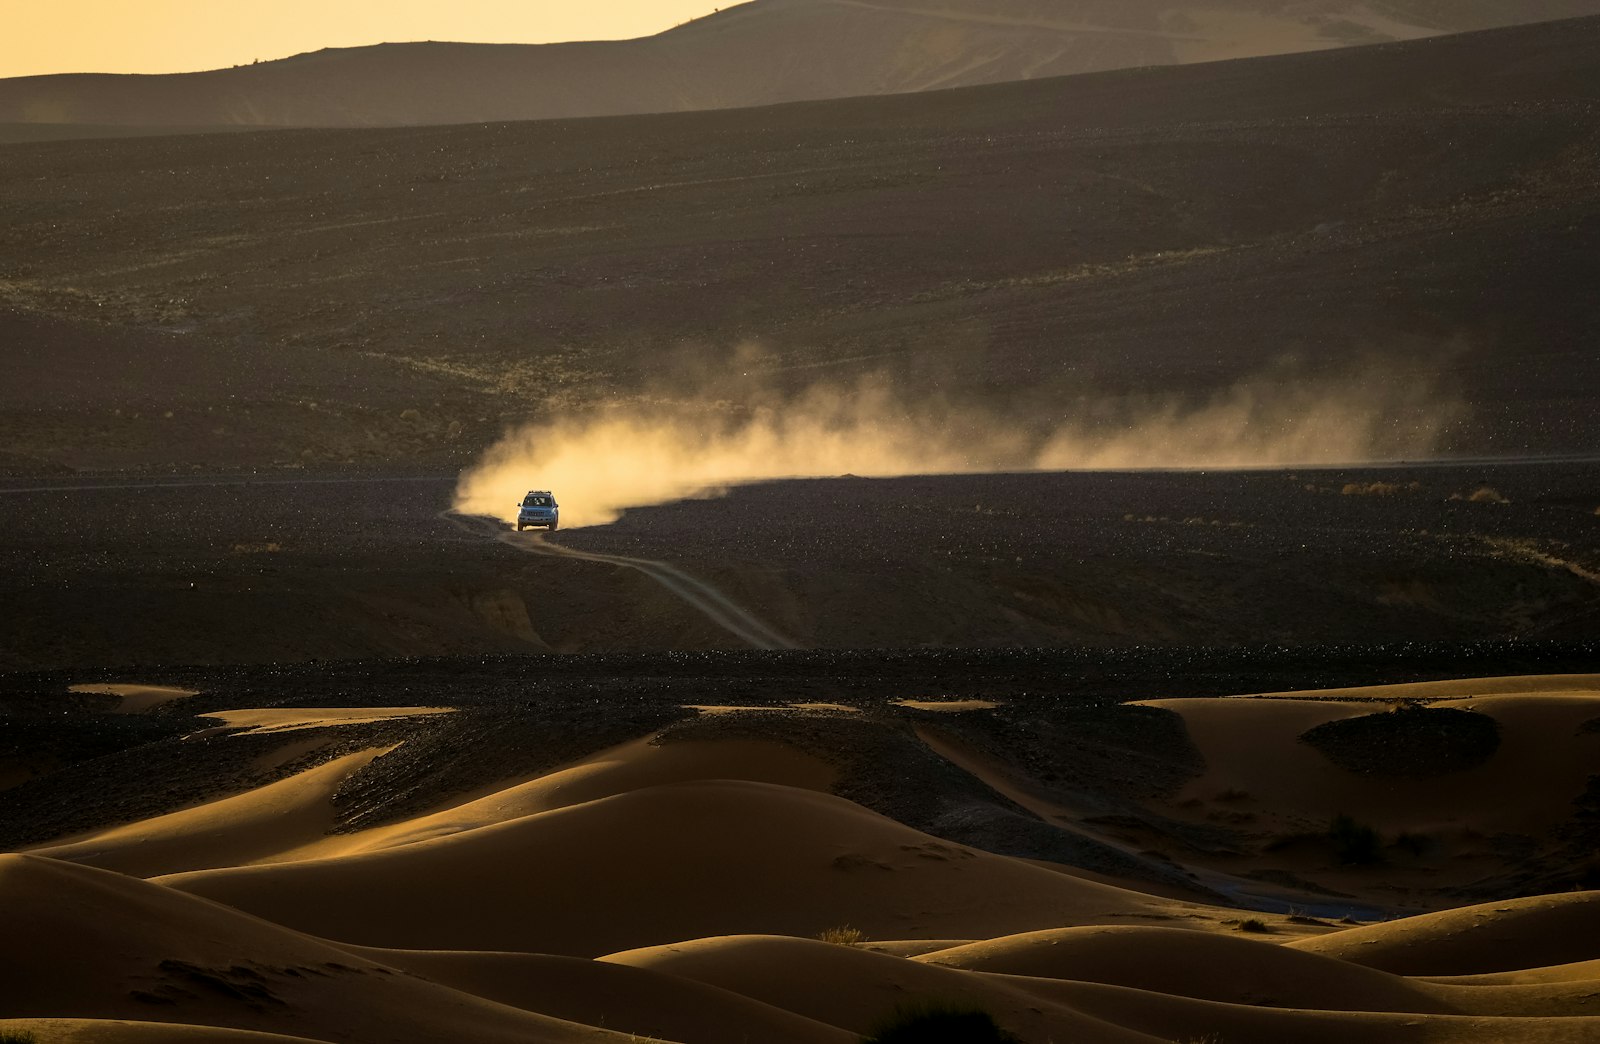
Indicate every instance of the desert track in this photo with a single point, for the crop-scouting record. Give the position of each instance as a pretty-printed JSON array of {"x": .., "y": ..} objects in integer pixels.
[{"x": 721, "y": 610}]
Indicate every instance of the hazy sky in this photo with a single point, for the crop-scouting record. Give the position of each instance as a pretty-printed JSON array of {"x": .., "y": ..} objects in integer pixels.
[{"x": 50, "y": 36}]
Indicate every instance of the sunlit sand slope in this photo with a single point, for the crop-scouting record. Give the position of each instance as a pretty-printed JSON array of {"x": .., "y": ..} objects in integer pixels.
[
  {"x": 631, "y": 766},
  {"x": 664, "y": 864},
  {"x": 852, "y": 988},
  {"x": 103, "y": 946},
  {"x": 1508, "y": 936},
  {"x": 136, "y": 699},
  {"x": 121, "y": 1031},
  {"x": 265, "y": 825},
  {"x": 275, "y": 720},
  {"x": 599, "y": 993},
  {"x": 1242, "y": 970}
]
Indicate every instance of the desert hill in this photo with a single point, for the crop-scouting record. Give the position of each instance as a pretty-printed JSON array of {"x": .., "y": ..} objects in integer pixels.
[
  {"x": 751, "y": 54},
  {"x": 400, "y": 295}
]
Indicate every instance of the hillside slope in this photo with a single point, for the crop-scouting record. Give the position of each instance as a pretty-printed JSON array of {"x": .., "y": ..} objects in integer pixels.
[
  {"x": 753, "y": 54},
  {"x": 402, "y": 295}
]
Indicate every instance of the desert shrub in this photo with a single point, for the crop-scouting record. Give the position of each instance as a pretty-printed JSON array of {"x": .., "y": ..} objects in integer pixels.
[
  {"x": 1254, "y": 925},
  {"x": 1353, "y": 843},
  {"x": 17, "y": 1037},
  {"x": 1300, "y": 918},
  {"x": 843, "y": 935},
  {"x": 1411, "y": 740},
  {"x": 938, "y": 1023}
]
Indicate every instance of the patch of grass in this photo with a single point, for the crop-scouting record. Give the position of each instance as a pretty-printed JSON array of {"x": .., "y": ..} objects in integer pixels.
[
  {"x": 17, "y": 1037},
  {"x": 1354, "y": 844},
  {"x": 843, "y": 935},
  {"x": 938, "y": 1022},
  {"x": 1255, "y": 926}
]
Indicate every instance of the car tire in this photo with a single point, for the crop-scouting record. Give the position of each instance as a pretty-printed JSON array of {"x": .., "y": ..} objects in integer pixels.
[{"x": 553, "y": 526}]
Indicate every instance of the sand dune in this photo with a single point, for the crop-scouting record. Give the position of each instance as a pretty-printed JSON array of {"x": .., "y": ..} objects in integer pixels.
[
  {"x": 851, "y": 988},
  {"x": 1495, "y": 937},
  {"x": 1576, "y": 972},
  {"x": 119, "y": 1031},
  {"x": 1241, "y": 970},
  {"x": 1166, "y": 1017},
  {"x": 1452, "y": 689},
  {"x": 103, "y": 946},
  {"x": 631, "y": 766},
  {"x": 1252, "y": 747},
  {"x": 293, "y": 819},
  {"x": 273, "y": 719},
  {"x": 136, "y": 699},
  {"x": 703, "y": 870},
  {"x": 598, "y": 993},
  {"x": 854, "y": 988},
  {"x": 665, "y": 864},
  {"x": 1232, "y": 970},
  {"x": 269, "y": 824}
]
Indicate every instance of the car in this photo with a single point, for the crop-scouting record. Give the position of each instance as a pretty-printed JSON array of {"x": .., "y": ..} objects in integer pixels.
[{"x": 538, "y": 508}]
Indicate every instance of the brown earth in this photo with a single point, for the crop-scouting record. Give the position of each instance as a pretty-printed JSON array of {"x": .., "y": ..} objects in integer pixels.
[{"x": 1060, "y": 248}]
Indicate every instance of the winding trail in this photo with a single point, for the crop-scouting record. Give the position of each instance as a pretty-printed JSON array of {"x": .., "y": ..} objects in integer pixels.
[{"x": 717, "y": 607}]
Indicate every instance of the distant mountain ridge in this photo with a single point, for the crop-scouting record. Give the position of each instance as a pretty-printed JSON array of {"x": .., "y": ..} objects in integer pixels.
[{"x": 763, "y": 52}]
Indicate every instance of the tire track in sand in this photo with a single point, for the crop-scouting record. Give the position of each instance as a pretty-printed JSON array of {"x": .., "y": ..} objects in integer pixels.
[{"x": 717, "y": 607}]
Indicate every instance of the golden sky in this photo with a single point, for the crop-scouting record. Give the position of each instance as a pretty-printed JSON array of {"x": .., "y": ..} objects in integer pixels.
[{"x": 152, "y": 36}]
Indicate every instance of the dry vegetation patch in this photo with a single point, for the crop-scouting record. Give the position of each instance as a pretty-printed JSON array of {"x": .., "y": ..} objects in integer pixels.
[{"x": 843, "y": 935}]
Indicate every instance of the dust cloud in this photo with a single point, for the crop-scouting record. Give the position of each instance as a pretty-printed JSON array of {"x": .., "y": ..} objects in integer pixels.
[{"x": 603, "y": 461}]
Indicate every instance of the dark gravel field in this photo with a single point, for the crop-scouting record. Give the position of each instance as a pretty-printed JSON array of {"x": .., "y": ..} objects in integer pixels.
[
  {"x": 1363, "y": 555},
  {"x": 270, "y": 570}
]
